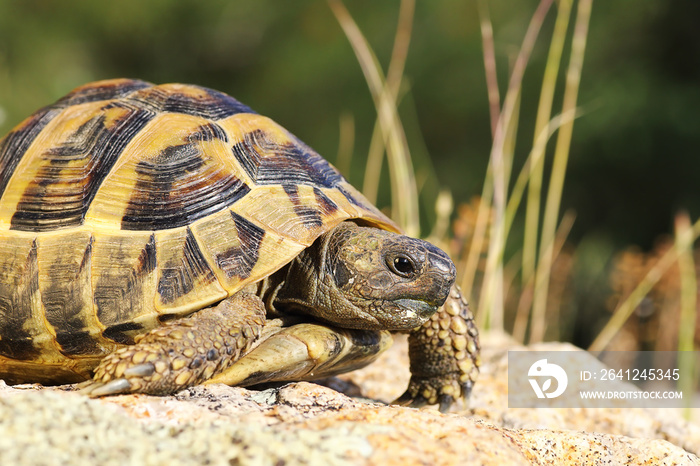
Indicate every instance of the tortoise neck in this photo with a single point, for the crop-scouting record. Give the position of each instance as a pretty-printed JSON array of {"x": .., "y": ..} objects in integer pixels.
[
  {"x": 268, "y": 288},
  {"x": 295, "y": 287}
]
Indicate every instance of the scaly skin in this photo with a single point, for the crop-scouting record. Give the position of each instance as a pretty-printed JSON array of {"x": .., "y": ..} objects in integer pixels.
[
  {"x": 183, "y": 352},
  {"x": 348, "y": 277},
  {"x": 444, "y": 355}
]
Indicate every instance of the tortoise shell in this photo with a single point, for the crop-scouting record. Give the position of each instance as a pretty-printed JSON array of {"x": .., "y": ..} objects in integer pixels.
[{"x": 125, "y": 204}]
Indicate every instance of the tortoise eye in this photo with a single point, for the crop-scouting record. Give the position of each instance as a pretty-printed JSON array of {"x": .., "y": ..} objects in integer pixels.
[{"x": 402, "y": 266}]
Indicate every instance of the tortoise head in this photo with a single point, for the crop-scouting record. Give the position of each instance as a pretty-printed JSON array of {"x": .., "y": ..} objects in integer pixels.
[{"x": 367, "y": 278}]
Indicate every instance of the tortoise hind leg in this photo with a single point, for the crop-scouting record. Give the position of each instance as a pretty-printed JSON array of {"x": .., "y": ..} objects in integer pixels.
[{"x": 182, "y": 352}]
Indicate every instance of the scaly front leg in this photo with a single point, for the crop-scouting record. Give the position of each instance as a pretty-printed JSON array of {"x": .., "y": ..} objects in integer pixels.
[{"x": 444, "y": 354}]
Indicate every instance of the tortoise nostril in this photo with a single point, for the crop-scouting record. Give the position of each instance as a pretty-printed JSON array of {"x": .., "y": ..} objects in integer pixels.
[
  {"x": 442, "y": 263},
  {"x": 439, "y": 261}
]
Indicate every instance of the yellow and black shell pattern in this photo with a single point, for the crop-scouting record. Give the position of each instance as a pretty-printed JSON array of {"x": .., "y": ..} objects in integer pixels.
[{"x": 125, "y": 204}]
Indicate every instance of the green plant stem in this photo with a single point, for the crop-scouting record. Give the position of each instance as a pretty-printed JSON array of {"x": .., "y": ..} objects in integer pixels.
[
  {"x": 544, "y": 111},
  {"x": 471, "y": 263},
  {"x": 689, "y": 283},
  {"x": 444, "y": 206},
  {"x": 491, "y": 296},
  {"x": 536, "y": 157},
  {"x": 403, "y": 185},
  {"x": 626, "y": 308},
  {"x": 561, "y": 156},
  {"x": 375, "y": 155},
  {"x": 687, "y": 363},
  {"x": 494, "y": 285},
  {"x": 346, "y": 142},
  {"x": 483, "y": 216},
  {"x": 487, "y": 44}
]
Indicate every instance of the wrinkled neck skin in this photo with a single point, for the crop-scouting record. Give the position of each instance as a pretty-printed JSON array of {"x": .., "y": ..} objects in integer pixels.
[{"x": 345, "y": 278}]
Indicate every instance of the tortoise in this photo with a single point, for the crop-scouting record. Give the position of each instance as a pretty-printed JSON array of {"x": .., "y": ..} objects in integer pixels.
[{"x": 154, "y": 237}]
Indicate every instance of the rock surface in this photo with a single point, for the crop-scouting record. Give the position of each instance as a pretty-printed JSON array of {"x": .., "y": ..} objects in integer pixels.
[{"x": 306, "y": 423}]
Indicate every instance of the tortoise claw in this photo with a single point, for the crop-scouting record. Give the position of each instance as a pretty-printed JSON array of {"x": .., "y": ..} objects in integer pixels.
[
  {"x": 422, "y": 392},
  {"x": 445, "y": 402},
  {"x": 467, "y": 390},
  {"x": 437, "y": 389},
  {"x": 141, "y": 370},
  {"x": 410, "y": 401},
  {"x": 113, "y": 387}
]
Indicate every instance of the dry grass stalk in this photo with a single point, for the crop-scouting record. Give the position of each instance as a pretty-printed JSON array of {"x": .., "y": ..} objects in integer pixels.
[
  {"x": 542, "y": 122},
  {"x": 556, "y": 183},
  {"x": 491, "y": 296},
  {"x": 403, "y": 185},
  {"x": 642, "y": 287}
]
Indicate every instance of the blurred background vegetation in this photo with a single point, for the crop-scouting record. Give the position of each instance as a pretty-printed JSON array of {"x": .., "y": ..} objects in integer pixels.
[{"x": 633, "y": 157}]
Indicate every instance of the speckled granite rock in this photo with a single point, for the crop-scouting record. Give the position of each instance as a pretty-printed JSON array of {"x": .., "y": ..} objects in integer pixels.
[{"x": 305, "y": 423}]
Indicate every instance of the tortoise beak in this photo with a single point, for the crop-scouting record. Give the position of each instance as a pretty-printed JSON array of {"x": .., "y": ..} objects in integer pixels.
[{"x": 442, "y": 271}]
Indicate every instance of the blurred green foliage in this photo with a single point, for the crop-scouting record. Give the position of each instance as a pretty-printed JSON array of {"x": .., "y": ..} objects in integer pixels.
[{"x": 634, "y": 155}]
